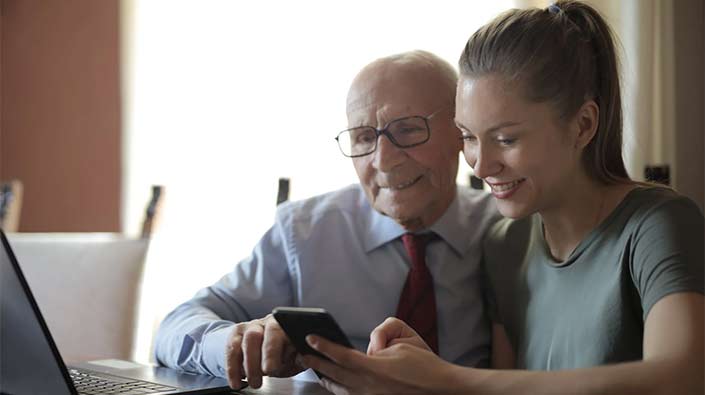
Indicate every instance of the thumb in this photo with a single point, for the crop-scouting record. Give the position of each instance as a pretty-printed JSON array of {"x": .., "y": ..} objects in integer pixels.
[
  {"x": 378, "y": 342},
  {"x": 380, "y": 337}
]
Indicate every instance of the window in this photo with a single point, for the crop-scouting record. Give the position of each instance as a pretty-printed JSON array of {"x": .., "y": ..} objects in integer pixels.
[{"x": 221, "y": 98}]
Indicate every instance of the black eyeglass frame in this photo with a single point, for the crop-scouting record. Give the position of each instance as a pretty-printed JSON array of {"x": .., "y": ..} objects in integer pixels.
[{"x": 385, "y": 131}]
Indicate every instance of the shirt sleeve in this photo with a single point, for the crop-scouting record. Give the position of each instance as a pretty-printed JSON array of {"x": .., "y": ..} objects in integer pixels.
[
  {"x": 193, "y": 337},
  {"x": 667, "y": 251}
]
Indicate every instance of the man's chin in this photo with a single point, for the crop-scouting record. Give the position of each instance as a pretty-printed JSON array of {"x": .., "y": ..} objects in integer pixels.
[
  {"x": 412, "y": 224},
  {"x": 408, "y": 221}
]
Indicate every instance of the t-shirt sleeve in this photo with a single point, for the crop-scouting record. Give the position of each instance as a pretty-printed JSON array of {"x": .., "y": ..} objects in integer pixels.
[
  {"x": 504, "y": 249},
  {"x": 667, "y": 251},
  {"x": 491, "y": 260},
  {"x": 488, "y": 297}
]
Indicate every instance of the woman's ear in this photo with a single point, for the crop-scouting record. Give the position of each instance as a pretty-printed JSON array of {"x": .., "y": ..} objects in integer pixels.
[{"x": 587, "y": 119}]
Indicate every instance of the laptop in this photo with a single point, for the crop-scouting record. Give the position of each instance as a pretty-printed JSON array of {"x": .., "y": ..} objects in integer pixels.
[{"x": 30, "y": 363}]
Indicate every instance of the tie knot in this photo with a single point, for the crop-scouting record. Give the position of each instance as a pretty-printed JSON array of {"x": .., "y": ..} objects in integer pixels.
[{"x": 415, "y": 244}]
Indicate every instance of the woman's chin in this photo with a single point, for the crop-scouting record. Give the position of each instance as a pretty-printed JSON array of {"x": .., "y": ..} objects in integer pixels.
[{"x": 513, "y": 211}]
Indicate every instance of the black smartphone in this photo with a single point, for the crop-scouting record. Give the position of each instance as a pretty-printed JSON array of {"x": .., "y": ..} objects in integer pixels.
[{"x": 299, "y": 322}]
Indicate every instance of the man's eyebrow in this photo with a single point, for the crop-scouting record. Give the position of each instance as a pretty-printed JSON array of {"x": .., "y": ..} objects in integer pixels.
[{"x": 495, "y": 128}]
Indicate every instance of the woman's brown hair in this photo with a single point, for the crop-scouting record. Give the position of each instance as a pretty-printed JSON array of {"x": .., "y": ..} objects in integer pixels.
[{"x": 564, "y": 54}]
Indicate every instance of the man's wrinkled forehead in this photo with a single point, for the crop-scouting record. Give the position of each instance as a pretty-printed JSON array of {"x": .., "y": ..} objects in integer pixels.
[
  {"x": 361, "y": 101},
  {"x": 377, "y": 113},
  {"x": 377, "y": 99}
]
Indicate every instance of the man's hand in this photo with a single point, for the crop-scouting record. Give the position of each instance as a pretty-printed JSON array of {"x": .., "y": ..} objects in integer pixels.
[{"x": 259, "y": 348}]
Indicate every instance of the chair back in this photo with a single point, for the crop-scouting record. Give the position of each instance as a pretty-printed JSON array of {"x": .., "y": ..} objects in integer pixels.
[{"x": 87, "y": 288}]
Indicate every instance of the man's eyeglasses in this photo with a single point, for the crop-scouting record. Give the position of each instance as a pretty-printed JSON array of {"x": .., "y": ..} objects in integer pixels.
[{"x": 404, "y": 132}]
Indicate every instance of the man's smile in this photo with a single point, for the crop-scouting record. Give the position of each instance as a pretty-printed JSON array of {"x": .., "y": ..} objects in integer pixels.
[{"x": 401, "y": 185}]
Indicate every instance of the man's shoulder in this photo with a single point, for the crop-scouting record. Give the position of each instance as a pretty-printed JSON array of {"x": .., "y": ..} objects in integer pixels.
[{"x": 346, "y": 201}]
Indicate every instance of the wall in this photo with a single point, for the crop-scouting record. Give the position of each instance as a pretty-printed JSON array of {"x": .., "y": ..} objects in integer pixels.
[
  {"x": 689, "y": 106},
  {"x": 60, "y": 109},
  {"x": 662, "y": 43},
  {"x": 60, "y": 112}
]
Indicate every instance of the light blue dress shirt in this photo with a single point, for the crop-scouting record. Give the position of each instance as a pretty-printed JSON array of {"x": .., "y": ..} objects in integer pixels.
[{"x": 336, "y": 252}]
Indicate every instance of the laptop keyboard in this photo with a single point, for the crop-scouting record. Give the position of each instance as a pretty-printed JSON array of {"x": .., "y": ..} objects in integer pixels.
[{"x": 91, "y": 383}]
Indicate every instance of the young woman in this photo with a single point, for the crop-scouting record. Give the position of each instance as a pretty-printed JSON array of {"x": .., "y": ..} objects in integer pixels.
[{"x": 608, "y": 295}]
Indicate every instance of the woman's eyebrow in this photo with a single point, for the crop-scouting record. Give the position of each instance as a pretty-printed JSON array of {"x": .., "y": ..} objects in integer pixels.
[{"x": 495, "y": 128}]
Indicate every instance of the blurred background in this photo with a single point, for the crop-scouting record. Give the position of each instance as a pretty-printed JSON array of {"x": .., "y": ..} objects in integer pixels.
[{"x": 217, "y": 100}]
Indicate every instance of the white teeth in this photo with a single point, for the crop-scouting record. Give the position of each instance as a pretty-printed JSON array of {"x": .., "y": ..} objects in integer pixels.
[
  {"x": 505, "y": 187},
  {"x": 404, "y": 185}
]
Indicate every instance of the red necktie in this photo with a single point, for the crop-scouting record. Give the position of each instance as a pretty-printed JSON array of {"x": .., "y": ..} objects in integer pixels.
[{"x": 417, "y": 304}]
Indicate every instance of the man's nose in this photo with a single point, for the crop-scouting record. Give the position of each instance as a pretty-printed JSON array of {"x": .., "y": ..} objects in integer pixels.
[{"x": 387, "y": 155}]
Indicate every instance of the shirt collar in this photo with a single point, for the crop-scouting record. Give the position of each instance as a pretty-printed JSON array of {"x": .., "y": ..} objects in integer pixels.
[
  {"x": 380, "y": 230},
  {"x": 449, "y": 227}
]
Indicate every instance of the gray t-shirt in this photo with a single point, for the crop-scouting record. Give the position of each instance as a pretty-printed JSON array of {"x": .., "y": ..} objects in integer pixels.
[{"x": 590, "y": 310}]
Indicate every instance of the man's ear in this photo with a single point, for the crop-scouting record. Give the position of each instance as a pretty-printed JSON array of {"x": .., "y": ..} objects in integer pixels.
[{"x": 587, "y": 120}]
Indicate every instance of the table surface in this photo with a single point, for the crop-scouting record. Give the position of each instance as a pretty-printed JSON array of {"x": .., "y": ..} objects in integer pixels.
[{"x": 287, "y": 386}]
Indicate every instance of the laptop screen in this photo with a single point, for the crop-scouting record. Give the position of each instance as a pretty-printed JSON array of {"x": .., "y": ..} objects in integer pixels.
[{"x": 29, "y": 360}]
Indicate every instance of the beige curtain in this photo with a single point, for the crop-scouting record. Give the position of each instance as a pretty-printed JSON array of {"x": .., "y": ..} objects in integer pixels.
[{"x": 662, "y": 68}]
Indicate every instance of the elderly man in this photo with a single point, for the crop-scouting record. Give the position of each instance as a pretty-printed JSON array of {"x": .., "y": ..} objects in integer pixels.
[{"x": 359, "y": 252}]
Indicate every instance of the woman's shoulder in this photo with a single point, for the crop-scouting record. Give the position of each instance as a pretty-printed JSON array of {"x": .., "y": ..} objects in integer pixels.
[
  {"x": 654, "y": 192},
  {"x": 509, "y": 228},
  {"x": 656, "y": 203},
  {"x": 509, "y": 237},
  {"x": 665, "y": 236}
]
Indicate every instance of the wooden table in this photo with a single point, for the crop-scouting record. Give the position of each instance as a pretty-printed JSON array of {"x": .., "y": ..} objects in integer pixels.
[{"x": 288, "y": 386}]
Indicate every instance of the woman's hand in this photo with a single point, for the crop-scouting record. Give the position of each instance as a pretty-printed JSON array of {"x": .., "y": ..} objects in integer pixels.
[
  {"x": 401, "y": 368},
  {"x": 394, "y": 331}
]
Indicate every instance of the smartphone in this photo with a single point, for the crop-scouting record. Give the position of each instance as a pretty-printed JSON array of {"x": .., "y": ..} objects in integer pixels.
[{"x": 299, "y": 322}]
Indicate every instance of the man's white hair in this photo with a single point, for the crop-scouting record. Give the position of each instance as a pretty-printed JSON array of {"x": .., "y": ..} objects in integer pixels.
[{"x": 420, "y": 61}]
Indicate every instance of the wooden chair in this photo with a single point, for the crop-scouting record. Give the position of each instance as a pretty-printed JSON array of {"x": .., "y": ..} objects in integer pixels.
[
  {"x": 151, "y": 215},
  {"x": 88, "y": 286},
  {"x": 10, "y": 205},
  {"x": 283, "y": 191}
]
